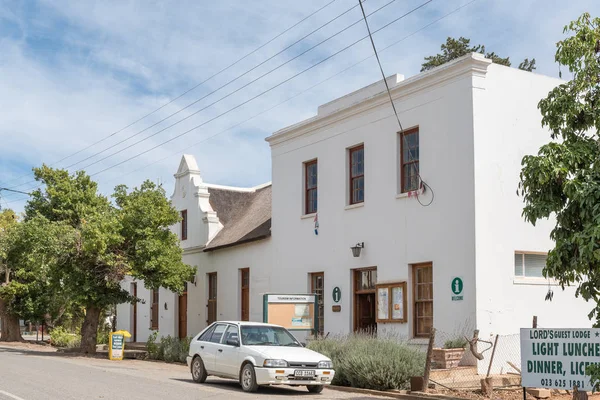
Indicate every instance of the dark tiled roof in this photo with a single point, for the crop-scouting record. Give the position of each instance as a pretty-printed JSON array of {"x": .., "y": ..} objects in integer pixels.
[{"x": 246, "y": 216}]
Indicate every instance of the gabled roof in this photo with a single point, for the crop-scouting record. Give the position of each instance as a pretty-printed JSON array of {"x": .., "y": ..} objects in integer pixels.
[{"x": 245, "y": 215}]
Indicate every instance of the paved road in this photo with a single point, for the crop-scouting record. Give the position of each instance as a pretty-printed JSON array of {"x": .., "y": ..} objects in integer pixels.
[{"x": 33, "y": 375}]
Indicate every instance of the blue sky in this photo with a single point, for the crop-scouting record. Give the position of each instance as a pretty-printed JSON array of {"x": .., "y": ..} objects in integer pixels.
[{"x": 72, "y": 73}]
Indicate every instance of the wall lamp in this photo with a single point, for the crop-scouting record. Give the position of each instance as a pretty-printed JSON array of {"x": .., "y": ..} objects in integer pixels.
[
  {"x": 357, "y": 248},
  {"x": 194, "y": 280}
]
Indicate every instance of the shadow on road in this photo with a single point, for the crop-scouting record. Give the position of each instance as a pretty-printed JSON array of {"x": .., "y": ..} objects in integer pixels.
[
  {"x": 42, "y": 353},
  {"x": 235, "y": 387}
]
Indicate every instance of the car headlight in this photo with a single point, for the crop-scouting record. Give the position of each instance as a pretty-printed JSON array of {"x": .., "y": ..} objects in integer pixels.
[
  {"x": 275, "y": 363},
  {"x": 325, "y": 364}
]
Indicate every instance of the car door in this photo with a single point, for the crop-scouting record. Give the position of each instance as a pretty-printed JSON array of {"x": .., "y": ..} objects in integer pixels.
[
  {"x": 227, "y": 356},
  {"x": 208, "y": 346}
]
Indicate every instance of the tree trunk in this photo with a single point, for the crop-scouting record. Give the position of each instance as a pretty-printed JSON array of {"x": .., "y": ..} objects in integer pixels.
[
  {"x": 11, "y": 330},
  {"x": 89, "y": 330}
]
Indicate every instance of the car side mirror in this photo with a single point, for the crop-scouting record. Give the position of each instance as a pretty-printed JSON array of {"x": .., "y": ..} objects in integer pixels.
[{"x": 233, "y": 342}]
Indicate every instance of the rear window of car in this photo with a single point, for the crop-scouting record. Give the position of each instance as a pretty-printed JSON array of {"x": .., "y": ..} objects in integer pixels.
[
  {"x": 217, "y": 333},
  {"x": 205, "y": 337}
]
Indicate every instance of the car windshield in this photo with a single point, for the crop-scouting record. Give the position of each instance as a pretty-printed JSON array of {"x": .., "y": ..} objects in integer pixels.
[{"x": 256, "y": 335}]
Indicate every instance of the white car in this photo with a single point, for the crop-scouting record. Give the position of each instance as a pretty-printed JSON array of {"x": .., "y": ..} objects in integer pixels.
[{"x": 266, "y": 355}]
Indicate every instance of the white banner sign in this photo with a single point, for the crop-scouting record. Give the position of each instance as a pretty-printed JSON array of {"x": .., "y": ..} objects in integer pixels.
[
  {"x": 290, "y": 298},
  {"x": 558, "y": 358}
]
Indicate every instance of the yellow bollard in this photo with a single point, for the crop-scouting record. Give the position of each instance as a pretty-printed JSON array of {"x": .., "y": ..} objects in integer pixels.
[{"x": 116, "y": 344}]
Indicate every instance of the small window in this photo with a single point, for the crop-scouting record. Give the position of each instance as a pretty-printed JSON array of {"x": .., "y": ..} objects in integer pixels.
[
  {"x": 529, "y": 265},
  {"x": 357, "y": 174},
  {"x": 310, "y": 187},
  {"x": 217, "y": 334},
  {"x": 184, "y": 225},
  {"x": 205, "y": 337},
  {"x": 409, "y": 160}
]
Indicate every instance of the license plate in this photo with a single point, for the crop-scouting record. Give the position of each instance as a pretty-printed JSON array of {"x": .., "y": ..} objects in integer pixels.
[{"x": 304, "y": 373}]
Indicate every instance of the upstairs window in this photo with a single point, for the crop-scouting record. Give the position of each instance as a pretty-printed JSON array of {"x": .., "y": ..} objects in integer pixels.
[
  {"x": 409, "y": 160},
  {"x": 529, "y": 265},
  {"x": 357, "y": 174},
  {"x": 310, "y": 187},
  {"x": 184, "y": 225}
]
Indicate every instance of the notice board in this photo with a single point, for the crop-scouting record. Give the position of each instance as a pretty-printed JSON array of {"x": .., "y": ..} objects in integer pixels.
[{"x": 295, "y": 312}]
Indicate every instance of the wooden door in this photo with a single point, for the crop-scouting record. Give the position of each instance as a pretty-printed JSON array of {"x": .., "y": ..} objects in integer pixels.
[
  {"x": 134, "y": 311},
  {"x": 154, "y": 314},
  {"x": 212, "y": 298},
  {"x": 183, "y": 314},
  {"x": 365, "y": 304},
  {"x": 366, "y": 313},
  {"x": 317, "y": 287},
  {"x": 245, "y": 294}
]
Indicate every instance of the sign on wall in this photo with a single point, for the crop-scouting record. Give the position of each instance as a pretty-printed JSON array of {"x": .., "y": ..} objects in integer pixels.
[
  {"x": 391, "y": 302},
  {"x": 336, "y": 294},
  {"x": 457, "y": 289},
  {"x": 557, "y": 358},
  {"x": 292, "y": 311}
]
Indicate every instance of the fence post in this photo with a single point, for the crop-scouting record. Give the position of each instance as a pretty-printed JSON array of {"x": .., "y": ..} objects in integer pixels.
[
  {"x": 492, "y": 356},
  {"x": 428, "y": 360}
]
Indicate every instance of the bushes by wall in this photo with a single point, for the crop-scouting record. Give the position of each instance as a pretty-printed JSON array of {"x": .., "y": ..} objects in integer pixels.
[
  {"x": 169, "y": 349},
  {"x": 369, "y": 362}
]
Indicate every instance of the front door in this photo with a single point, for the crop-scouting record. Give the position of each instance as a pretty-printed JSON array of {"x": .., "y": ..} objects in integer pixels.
[
  {"x": 365, "y": 304},
  {"x": 183, "y": 314},
  {"x": 212, "y": 299},
  {"x": 245, "y": 294},
  {"x": 366, "y": 313},
  {"x": 134, "y": 312}
]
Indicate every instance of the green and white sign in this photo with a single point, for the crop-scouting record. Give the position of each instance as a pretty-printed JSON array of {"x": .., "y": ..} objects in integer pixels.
[
  {"x": 337, "y": 294},
  {"x": 558, "y": 358},
  {"x": 457, "y": 289}
]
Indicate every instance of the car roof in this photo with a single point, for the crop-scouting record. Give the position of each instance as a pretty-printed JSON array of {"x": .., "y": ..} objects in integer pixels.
[{"x": 247, "y": 323}]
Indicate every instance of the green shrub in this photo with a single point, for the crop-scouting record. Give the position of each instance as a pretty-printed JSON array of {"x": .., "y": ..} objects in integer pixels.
[
  {"x": 103, "y": 334},
  {"x": 169, "y": 349},
  {"x": 61, "y": 337},
  {"x": 458, "y": 343},
  {"x": 364, "y": 361}
]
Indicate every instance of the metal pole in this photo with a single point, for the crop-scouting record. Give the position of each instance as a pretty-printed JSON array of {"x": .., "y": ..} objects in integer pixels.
[{"x": 428, "y": 360}]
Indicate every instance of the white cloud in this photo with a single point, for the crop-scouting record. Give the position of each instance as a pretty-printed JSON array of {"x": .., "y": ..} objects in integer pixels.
[{"x": 74, "y": 72}]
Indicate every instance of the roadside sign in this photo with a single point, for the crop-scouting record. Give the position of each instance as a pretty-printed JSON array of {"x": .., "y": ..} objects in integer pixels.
[
  {"x": 337, "y": 294},
  {"x": 558, "y": 358},
  {"x": 116, "y": 345},
  {"x": 457, "y": 288}
]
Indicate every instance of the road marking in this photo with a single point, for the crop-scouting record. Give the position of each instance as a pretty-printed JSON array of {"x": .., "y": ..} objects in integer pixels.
[{"x": 12, "y": 396}]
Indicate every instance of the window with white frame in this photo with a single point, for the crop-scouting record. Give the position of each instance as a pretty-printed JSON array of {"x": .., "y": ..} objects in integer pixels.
[{"x": 529, "y": 265}]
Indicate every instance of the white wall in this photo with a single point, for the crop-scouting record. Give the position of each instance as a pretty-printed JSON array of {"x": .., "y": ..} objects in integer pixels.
[
  {"x": 508, "y": 127},
  {"x": 396, "y": 230}
]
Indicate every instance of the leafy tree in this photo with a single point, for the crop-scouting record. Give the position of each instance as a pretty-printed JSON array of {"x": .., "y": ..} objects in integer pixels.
[
  {"x": 110, "y": 241},
  {"x": 455, "y": 48},
  {"x": 563, "y": 179},
  {"x": 32, "y": 251},
  {"x": 10, "y": 329}
]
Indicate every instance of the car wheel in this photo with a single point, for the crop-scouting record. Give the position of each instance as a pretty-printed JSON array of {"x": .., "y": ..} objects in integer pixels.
[
  {"x": 248, "y": 378},
  {"x": 198, "y": 371},
  {"x": 315, "y": 388}
]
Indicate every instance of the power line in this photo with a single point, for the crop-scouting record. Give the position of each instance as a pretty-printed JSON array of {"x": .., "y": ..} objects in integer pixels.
[
  {"x": 189, "y": 90},
  {"x": 264, "y": 92},
  {"x": 393, "y": 105},
  {"x": 230, "y": 94},
  {"x": 304, "y": 91},
  {"x": 216, "y": 90}
]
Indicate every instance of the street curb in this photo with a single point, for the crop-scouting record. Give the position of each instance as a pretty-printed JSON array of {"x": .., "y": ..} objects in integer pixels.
[{"x": 400, "y": 394}]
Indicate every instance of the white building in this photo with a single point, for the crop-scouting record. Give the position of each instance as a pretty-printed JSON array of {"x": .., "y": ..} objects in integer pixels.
[
  {"x": 467, "y": 126},
  {"x": 225, "y": 233}
]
